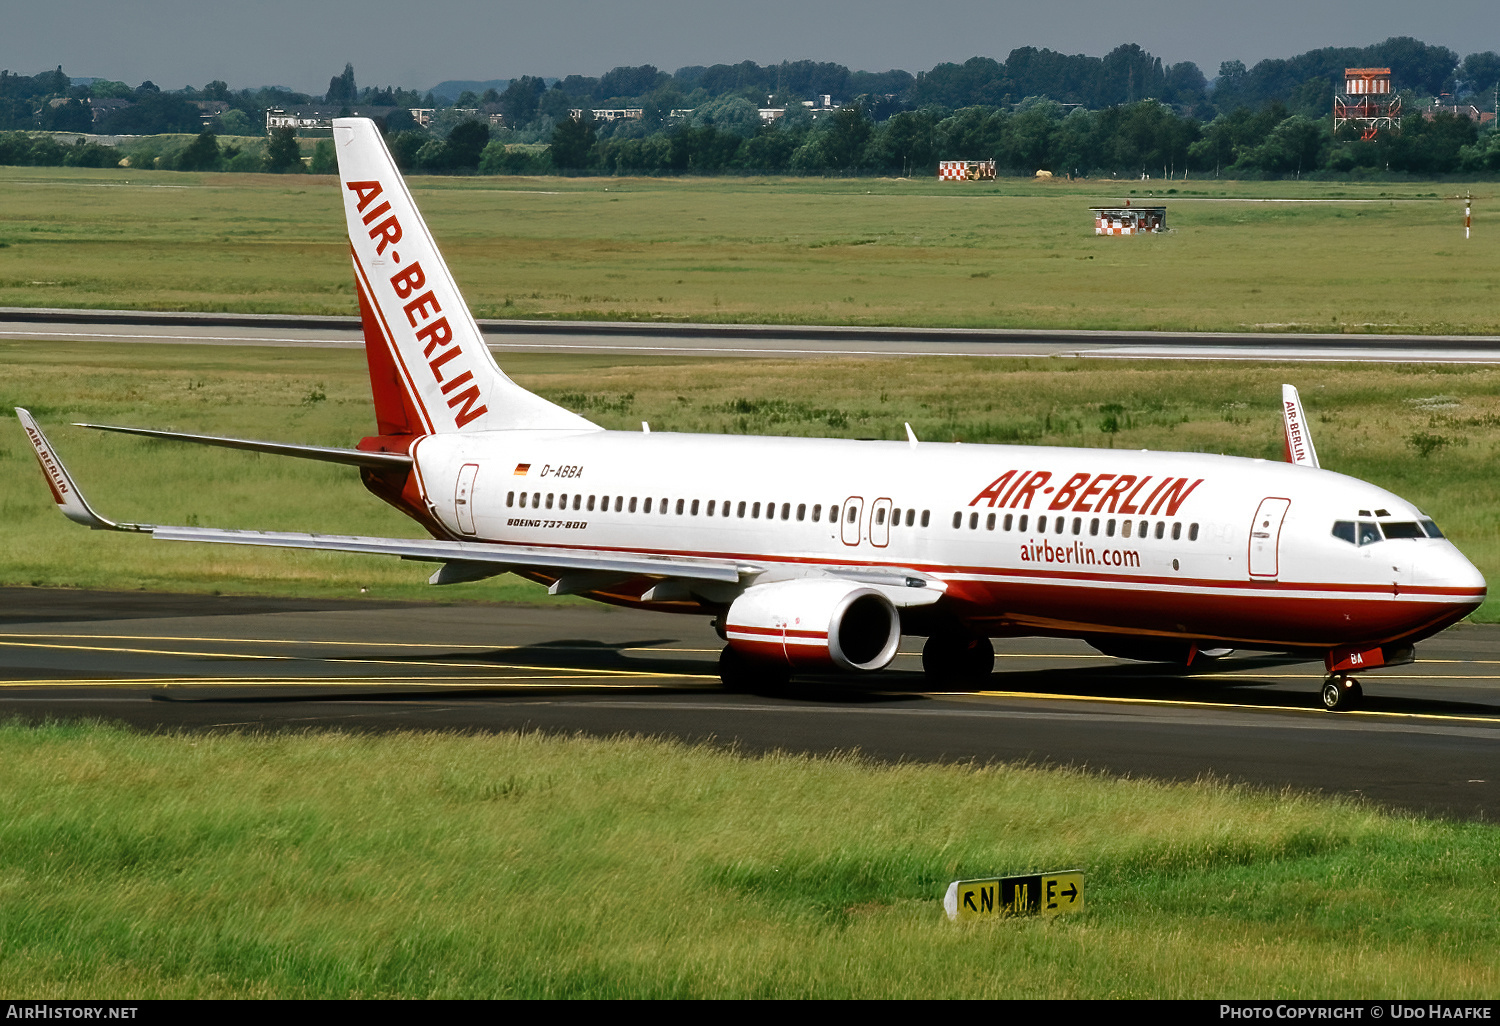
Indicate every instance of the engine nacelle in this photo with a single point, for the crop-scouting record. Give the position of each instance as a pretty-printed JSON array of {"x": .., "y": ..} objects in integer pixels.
[{"x": 815, "y": 623}]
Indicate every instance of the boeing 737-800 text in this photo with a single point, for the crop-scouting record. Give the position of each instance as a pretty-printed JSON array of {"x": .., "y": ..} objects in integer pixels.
[{"x": 819, "y": 554}]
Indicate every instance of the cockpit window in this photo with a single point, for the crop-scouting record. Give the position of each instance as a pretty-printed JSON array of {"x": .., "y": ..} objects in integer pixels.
[
  {"x": 1369, "y": 534},
  {"x": 1402, "y": 529},
  {"x": 1431, "y": 529},
  {"x": 1344, "y": 529}
]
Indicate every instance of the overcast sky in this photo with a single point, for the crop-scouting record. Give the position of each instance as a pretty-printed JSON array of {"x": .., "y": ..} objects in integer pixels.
[{"x": 302, "y": 43}]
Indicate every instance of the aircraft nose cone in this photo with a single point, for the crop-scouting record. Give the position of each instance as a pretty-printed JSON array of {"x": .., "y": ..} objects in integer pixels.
[{"x": 1445, "y": 567}]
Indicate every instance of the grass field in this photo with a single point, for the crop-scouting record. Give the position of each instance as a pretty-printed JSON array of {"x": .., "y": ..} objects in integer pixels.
[
  {"x": 1378, "y": 257},
  {"x": 1429, "y": 433},
  {"x": 408, "y": 865}
]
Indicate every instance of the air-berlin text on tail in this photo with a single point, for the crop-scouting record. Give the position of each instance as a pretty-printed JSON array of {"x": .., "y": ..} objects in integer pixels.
[
  {"x": 422, "y": 308},
  {"x": 1089, "y": 493},
  {"x": 1296, "y": 448}
]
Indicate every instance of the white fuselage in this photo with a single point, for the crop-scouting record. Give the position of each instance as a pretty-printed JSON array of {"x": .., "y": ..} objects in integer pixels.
[{"x": 1025, "y": 539}]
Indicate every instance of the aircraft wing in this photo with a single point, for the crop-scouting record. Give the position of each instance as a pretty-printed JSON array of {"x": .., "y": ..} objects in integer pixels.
[
  {"x": 328, "y": 454},
  {"x": 481, "y": 556}
]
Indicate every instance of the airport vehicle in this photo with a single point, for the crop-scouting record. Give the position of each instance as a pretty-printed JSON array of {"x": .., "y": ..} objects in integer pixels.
[{"x": 819, "y": 554}]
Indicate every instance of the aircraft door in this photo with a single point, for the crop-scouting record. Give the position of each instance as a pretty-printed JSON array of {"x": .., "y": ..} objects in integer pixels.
[
  {"x": 880, "y": 523},
  {"x": 463, "y": 497},
  {"x": 852, "y": 513},
  {"x": 1265, "y": 537}
]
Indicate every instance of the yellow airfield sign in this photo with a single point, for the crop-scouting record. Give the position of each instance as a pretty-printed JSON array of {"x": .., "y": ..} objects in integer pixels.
[{"x": 1041, "y": 894}]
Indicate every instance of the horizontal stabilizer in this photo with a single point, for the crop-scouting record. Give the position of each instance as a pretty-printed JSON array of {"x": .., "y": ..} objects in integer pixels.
[{"x": 328, "y": 454}]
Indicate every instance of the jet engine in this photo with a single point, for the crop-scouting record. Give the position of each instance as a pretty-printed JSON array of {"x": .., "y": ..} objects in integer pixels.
[{"x": 815, "y": 623}]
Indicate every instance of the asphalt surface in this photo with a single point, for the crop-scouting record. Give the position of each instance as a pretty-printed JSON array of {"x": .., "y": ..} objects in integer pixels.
[
  {"x": 1427, "y": 738},
  {"x": 42, "y": 326}
]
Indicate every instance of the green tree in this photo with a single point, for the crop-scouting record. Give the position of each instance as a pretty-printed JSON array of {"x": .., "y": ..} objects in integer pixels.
[
  {"x": 283, "y": 155},
  {"x": 466, "y": 142},
  {"x": 202, "y": 154},
  {"x": 324, "y": 160},
  {"x": 571, "y": 142},
  {"x": 341, "y": 89}
]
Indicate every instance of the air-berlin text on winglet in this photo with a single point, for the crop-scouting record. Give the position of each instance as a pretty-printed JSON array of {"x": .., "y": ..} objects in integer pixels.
[
  {"x": 423, "y": 308},
  {"x": 1089, "y": 493},
  {"x": 55, "y": 476},
  {"x": 1295, "y": 448}
]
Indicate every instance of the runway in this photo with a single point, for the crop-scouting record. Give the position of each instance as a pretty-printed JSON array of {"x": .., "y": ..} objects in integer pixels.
[
  {"x": 1426, "y": 740},
  {"x": 749, "y": 340}
]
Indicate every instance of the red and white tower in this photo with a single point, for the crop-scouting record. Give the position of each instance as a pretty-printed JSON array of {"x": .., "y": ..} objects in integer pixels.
[{"x": 1367, "y": 101}]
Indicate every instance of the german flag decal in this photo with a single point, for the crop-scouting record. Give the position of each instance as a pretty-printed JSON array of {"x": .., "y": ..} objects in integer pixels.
[{"x": 522, "y": 469}]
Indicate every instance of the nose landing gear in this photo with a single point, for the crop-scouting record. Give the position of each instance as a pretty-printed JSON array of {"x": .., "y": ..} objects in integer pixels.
[{"x": 1341, "y": 693}]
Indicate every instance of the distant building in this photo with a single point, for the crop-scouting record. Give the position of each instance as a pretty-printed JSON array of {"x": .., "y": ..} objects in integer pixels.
[
  {"x": 1444, "y": 105},
  {"x": 104, "y": 108},
  {"x": 321, "y": 117},
  {"x": 609, "y": 113}
]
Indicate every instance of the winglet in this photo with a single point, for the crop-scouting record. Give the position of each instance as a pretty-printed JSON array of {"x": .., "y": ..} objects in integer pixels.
[
  {"x": 64, "y": 492},
  {"x": 1299, "y": 445}
]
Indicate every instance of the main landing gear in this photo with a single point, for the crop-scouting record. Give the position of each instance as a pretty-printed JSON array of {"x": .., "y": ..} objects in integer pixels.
[
  {"x": 743, "y": 674},
  {"x": 958, "y": 660},
  {"x": 1341, "y": 693}
]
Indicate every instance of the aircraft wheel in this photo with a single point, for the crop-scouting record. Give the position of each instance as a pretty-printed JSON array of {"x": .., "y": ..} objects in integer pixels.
[
  {"x": 957, "y": 659},
  {"x": 740, "y": 673},
  {"x": 1340, "y": 693}
]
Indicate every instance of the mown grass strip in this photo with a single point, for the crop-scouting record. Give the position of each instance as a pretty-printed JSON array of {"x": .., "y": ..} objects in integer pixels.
[
  {"x": 1014, "y": 253},
  {"x": 426, "y": 865}
]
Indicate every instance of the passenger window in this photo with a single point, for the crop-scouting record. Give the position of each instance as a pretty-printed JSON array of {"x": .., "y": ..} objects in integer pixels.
[
  {"x": 958, "y": 521},
  {"x": 523, "y": 500},
  {"x": 578, "y": 501},
  {"x": 510, "y": 498},
  {"x": 1009, "y": 519},
  {"x": 1078, "y": 525},
  {"x": 647, "y": 507},
  {"x": 591, "y": 502},
  {"x": 632, "y": 504},
  {"x": 896, "y": 517},
  {"x": 679, "y": 507},
  {"x": 989, "y": 523},
  {"x": 801, "y": 511},
  {"x": 1369, "y": 534},
  {"x": 879, "y": 517},
  {"x": 833, "y": 514},
  {"x": 1402, "y": 529},
  {"x": 1161, "y": 529},
  {"x": 549, "y": 499},
  {"x": 536, "y": 500},
  {"x": 1041, "y": 524},
  {"x": 1344, "y": 529},
  {"x": 973, "y": 521},
  {"x": 619, "y": 502},
  {"x": 1140, "y": 529},
  {"x": 786, "y": 511},
  {"x": 926, "y": 516},
  {"x": 664, "y": 504},
  {"x": 755, "y": 512},
  {"x": 911, "y": 513},
  {"x": 1125, "y": 528},
  {"x": 695, "y": 508},
  {"x": 1094, "y": 527},
  {"x": 1109, "y": 528},
  {"x": 851, "y": 514},
  {"x": 1022, "y": 525},
  {"x": 1431, "y": 529},
  {"x": 1177, "y": 530},
  {"x": 817, "y": 512},
  {"x": 1062, "y": 525},
  {"x": 741, "y": 510},
  {"x": 1193, "y": 532}
]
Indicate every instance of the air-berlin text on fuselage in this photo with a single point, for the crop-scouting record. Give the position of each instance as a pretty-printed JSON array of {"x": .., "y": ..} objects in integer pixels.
[
  {"x": 1089, "y": 493},
  {"x": 423, "y": 308}
]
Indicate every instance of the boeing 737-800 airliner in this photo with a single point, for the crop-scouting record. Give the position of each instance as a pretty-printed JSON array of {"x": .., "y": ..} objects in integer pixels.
[{"x": 819, "y": 554}]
